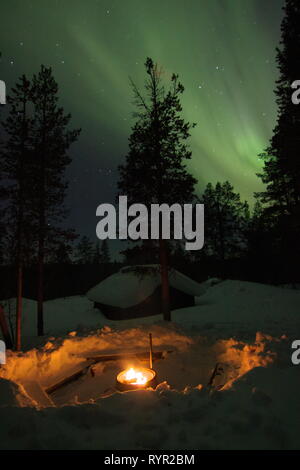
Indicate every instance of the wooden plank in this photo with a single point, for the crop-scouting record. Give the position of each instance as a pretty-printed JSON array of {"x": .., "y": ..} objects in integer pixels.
[
  {"x": 116, "y": 357},
  {"x": 37, "y": 393},
  {"x": 71, "y": 378}
]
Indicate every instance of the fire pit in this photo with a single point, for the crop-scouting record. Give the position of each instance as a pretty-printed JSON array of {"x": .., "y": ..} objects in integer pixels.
[{"x": 136, "y": 378}]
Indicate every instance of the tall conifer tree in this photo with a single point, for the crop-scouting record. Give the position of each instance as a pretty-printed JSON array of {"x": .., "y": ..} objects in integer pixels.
[
  {"x": 155, "y": 167},
  {"x": 281, "y": 171},
  {"x": 51, "y": 142}
]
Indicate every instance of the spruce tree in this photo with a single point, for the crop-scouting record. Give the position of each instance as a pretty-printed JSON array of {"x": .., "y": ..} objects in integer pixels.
[
  {"x": 281, "y": 171},
  {"x": 104, "y": 253},
  {"x": 226, "y": 221},
  {"x": 97, "y": 253},
  {"x": 85, "y": 251},
  {"x": 155, "y": 167},
  {"x": 51, "y": 142},
  {"x": 15, "y": 162}
]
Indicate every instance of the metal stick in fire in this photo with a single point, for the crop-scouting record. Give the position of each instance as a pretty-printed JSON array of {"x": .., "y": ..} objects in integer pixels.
[{"x": 150, "y": 354}]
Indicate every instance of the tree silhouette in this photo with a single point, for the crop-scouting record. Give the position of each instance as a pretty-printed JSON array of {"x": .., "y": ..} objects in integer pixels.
[
  {"x": 97, "y": 253},
  {"x": 104, "y": 253},
  {"x": 34, "y": 158},
  {"x": 281, "y": 171},
  {"x": 155, "y": 170},
  {"x": 51, "y": 142},
  {"x": 15, "y": 163},
  {"x": 85, "y": 251},
  {"x": 226, "y": 221}
]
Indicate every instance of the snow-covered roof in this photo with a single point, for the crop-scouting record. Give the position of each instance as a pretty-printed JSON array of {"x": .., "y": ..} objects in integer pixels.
[{"x": 133, "y": 284}]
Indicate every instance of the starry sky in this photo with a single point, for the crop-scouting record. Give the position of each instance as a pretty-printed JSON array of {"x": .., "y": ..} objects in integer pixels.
[{"x": 223, "y": 51}]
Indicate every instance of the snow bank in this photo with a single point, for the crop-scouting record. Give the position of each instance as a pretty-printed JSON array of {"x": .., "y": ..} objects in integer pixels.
[
  {"x": 252, "y": 415},
  {"x": 248, "y": 304},
  {"x": 257, "y": 408},
  {"x": 13, "y": 394},
  {"x": 190, "y": 364},
  {"x": 60, "y": 316},
  {"x": 226, "y": 308},
  {"x": 60, "y": 356}
]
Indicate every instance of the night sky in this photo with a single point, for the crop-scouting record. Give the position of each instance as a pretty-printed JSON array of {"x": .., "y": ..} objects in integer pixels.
[{"x": 223, "y": 50}]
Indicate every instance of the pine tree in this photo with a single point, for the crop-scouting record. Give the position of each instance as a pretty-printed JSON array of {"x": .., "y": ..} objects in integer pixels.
[
  {"x": 104, "y": 253},
  {"x": 155, "y": 170},
  {"x": 51, "y": 142},
  {"x": 260, "y": 232},
  {"x": 281, "y": 171},
  {"x": 97, "y": 253},
  {"x": 85, "y": 251},
  {"x": 3, "y": 193},
  {"x": 15, "y": 158},
  {"x": 226, "y": 221},
  {"x": 61, "y": 254}
]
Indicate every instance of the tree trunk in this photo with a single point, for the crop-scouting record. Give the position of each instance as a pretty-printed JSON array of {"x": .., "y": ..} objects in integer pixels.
[
  {"x": 19, "y": 306},
  {"x": 41, "y": 252},
  {"x": 165, "y": 290},
  {"x": 42, "y": 228},
  {"x": 20, "y": 222},
  {"x": 40, "y": 289}
]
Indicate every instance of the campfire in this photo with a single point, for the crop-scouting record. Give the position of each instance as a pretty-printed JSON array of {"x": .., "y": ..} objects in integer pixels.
[{"x": 135, "y": 378}]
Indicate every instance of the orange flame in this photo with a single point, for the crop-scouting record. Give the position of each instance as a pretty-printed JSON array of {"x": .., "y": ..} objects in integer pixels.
[{"x": 134, "y": 377}]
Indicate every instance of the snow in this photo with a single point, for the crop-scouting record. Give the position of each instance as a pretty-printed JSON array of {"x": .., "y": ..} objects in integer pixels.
[
  {"x": 231, "y": 304},
  {"x": 228, "y": 307},
  {"x": 13, "y": 394},
  {"x": 127, "y": 288},
  {"x": 165, "y": 419},
  {"x": 247, "y": 327},
  {"x": 60, "y": 316}
]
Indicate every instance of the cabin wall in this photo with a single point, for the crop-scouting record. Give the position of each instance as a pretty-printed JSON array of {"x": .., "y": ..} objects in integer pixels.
[{"x": 148, "y": 307}]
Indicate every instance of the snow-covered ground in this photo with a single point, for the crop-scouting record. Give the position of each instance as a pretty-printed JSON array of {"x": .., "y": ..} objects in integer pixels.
[{"x": 247, "y": 327}]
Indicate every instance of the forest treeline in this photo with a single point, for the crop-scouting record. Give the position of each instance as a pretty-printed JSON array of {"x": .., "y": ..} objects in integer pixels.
[{"x": 260, "y": 243}]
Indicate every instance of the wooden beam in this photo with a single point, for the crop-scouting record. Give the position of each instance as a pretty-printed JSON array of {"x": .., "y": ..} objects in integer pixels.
[
  {"x": 68, "y": 379},
  {"x": 116, "y": 357}
]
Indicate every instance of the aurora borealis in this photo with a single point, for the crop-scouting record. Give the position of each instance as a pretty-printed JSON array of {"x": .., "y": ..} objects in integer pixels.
[{"x": 223, "y": 51}]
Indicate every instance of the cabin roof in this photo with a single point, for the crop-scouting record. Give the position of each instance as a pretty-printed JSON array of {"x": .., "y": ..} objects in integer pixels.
[{"x": 133, "y": 284}]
